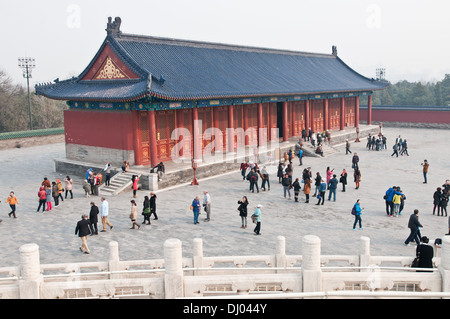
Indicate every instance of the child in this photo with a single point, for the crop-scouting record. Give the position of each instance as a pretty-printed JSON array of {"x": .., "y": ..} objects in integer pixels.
[
  {"x": 87, "y": 188},
  {"x": 12, "y": 201},
  {"x": 48, "y": 191}
]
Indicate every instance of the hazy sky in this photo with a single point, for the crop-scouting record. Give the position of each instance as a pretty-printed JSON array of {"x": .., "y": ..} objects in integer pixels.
[{"x": 410, "y": 39}]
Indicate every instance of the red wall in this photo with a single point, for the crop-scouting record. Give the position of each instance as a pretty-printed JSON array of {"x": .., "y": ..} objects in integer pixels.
[
  {"x": 102, "y": 129},
  {"x": 409, "y": 116}
]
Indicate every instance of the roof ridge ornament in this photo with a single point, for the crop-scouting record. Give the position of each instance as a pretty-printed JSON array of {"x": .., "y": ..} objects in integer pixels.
[
  {"x": 113, "y": 28},
  {"x": 334, "y": 50}
]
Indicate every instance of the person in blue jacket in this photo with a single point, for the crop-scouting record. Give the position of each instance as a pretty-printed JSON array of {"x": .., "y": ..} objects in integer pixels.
[
  {"x": 357, "y": 210},
  {"x": 322, "y": 190},
  {"x": 196, "y": 209},
  {"x": 300, "y": 156},
  {"x": 388, "y": 197}
]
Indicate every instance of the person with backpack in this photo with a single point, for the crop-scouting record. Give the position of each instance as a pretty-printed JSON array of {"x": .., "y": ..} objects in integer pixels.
[
  {"x": 322, "y": 190},
  {"x": 356, "y": 211},
  {"x": 253, "y": 178}
]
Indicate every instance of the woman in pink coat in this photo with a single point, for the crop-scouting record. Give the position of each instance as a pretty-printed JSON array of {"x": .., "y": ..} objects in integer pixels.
[
  {"x": 135, "y": 180},
  {"x": 329, "y": 174}
]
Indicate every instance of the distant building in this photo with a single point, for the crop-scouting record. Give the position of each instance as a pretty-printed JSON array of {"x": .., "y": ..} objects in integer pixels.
[{"x": 138, "y": 89}]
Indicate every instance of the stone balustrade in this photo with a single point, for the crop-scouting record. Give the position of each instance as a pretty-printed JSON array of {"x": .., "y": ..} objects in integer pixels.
[{"x": 175, "y": 276}]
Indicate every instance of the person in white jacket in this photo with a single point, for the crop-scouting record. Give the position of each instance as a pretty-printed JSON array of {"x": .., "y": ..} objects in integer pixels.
[{"x": 104, "y": 212}]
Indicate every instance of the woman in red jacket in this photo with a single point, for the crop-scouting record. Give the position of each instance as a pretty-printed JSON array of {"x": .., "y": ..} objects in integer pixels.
[{"x": 42, "y": 194}]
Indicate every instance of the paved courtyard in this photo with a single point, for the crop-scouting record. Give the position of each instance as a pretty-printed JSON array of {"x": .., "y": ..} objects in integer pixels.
[{"x": 23, "y": 170}]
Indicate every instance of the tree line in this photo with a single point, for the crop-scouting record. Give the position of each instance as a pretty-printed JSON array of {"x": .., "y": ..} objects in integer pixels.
[
  {"x": 45, "y": 113},
  {"x": 415, "y": 93}
]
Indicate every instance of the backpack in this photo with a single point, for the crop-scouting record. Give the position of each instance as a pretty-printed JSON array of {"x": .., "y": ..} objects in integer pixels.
[
  {"x": 99, "y": 179},
  {"x": 353, "y": 210}
]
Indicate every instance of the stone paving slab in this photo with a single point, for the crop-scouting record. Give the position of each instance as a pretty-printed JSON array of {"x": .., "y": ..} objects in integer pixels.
[{"x": 23, "y": 170}]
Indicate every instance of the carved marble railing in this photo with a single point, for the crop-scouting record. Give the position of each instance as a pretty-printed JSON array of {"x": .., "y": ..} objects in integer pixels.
[{"x": 175, "y": 276}]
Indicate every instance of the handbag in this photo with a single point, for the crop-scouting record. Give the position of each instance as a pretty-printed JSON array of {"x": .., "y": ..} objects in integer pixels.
[{"x": 192, "y": 207}]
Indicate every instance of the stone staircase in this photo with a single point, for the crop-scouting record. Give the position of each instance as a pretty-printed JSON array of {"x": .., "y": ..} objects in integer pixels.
[
  {"x": 118, "y": 183},
  {"x": 328, "y": 150}
]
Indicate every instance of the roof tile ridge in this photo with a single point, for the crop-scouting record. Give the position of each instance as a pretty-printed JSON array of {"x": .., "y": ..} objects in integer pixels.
[{"x": 215, "y": 45}]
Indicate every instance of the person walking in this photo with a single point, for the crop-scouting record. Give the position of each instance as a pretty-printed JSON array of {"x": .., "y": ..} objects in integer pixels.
[
  {"x": 135, "y": 180},
  {"x": 322, "y": 190},
  {"x": 207, "y": 204},
  {"x": 424, "y": 254},
  {"x": 86, "y": 188},
  {"x": 343, "y": 179},
  {"x": 297, "y": 188},
  {"x": 357, "y": 177},
  {"x": 107, "y": 170},
  {"x": 443, "y": 203},
  {"x": 104, "y": 213},
  {"x": 42, "y": 195},
  {"x": 83, "y": 230},
  {"x": 196, "y": 209},
  {"x": 265, "y": 179},
  {"x": 357, "y": 210},
  {"x": 317, "y": 182},
  {"x": 257, "y": 216},
  {"x": 307, "y": 189},
  {"x": 413, "y": 225},
  {"x": 286, "y": 183},
  {"x": 437, "y": 200},
  {"x": 60, "y": 189},
  {"x": 68, "y": 186},
  {"x": 253, "y": 178},
  {"x": 146, "y": 211},
  {"x": 153, "y": 205},
  {"x": 425, "y": 166},
  {"x": 347, "y": 147},
  {"x": 93, "y": 219},
  {"x": 300, "y": 156},
  {"x": 133, "y": 215},
  {"x": 395, "y": 148},
  {"x": 13, "y": 202},
  {"x": 355, "y": 160},
  {"x": 396, "y": 201},
  {"x": 48, "y": 191},
  {"x": 329, "y": 175},
  {"x": 243, "y": 203},
  {"x": 55, "y": 194},
  {"x": 332, "y": 186}
]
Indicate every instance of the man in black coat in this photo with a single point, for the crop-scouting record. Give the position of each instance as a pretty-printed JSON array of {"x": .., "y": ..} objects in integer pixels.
[
  {"x": 425, "y": 253},
  {"x": 83, "y": 230},
  {"x": 413, "y": 225},
  {"x": 153, "y": 205},
  {"x": 93, "y": 219}
]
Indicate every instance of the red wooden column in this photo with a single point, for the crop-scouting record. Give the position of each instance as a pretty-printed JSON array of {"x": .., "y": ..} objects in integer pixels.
[
  {"x": 137, "y": 138},
  {"x": 285, "y": 121},
  {"x": 326, "y": 116},
  {"x": 260, "y": 124},
  {"x": 307, "y": 116},
  {"x": 369, "y": 110},
  {"x": 245, "y": 111},
  {"x": 196, "y": 134},
  {"x": 152, "y": 132},
  {"x": 230, "y": 130},
  {"x": 357, "y": 111},
  {"x": 271, "y": 133},
  {"x": 342, "y": 114}
]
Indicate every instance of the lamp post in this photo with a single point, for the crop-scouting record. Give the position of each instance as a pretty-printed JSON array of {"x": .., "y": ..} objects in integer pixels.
[
  {"x": 357, "y": 135},
  {"x": 27, "y": 65},
  {"x": 194, "y": 166}
]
